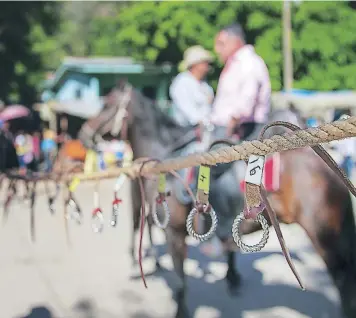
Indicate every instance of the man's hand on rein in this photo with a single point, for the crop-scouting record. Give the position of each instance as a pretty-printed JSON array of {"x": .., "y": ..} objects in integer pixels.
[{"x": 231, "y": 127}]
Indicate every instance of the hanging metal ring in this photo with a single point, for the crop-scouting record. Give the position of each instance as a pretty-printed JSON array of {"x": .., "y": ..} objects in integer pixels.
[
  {"x": 207, "y": 235},
  {"x": 74, "y": 211},
  {"x": 51, "y": 205},
  {"x": 115, "y": 205},
  {"x": 97, "y": 220},
  {"x": 115, "y": 212},
  {"x": 167, "y": 214},
  {"x": 238, "y": 237}
]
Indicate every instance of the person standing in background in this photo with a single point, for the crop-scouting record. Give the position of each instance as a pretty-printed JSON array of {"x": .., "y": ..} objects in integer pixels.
[
  {"x": 48, "y": 148},
  {"x": 36, "y": 139},
  {"x": 190, "y": 93},
  {"x": 20, "y": 146}
]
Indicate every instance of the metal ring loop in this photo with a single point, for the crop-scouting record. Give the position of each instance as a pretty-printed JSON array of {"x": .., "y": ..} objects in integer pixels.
[
  {"x": 74, "y": 212},
  {"x": 167, "y": 215},
  {"x": 98, "y": 216},
  {"x": 114, "y": 215},
  {"x": 238, "y": 238},
  {"x": 207, "y": 235},
  {"x": 51, "y": 205}
]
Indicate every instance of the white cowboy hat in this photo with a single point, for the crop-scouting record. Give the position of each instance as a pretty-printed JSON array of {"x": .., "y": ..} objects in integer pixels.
[{"x": 194, "y": 55}]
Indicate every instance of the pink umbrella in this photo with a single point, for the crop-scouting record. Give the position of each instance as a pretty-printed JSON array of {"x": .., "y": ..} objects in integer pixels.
[{"x": 13, "y": 112}]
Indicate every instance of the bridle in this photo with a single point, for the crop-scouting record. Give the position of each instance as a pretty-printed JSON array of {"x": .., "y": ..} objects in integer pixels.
[{"x": 120, "y": 125}]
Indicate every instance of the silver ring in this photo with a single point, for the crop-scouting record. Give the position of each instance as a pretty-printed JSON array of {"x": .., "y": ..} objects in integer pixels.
[
  {"x": 115, "y": 213},
  {"x": 207, "y": 235},
  {"x": 97, "y": 228},
  {"x": 167, "y": 215},
  {"x": 238, "y": 238},
  {"x": 74, "y": 212}
]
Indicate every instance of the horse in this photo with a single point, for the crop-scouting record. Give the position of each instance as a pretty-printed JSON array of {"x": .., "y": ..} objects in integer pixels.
[
  {"x": 149, "y": 131},
  {"x": 309, "y": 194},
  {"x": 152, "y": 133}
]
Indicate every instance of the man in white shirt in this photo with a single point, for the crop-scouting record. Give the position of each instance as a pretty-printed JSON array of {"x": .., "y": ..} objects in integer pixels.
[
  {"x": 244, "y": 90},
  {"x": 191, "y": 95}
]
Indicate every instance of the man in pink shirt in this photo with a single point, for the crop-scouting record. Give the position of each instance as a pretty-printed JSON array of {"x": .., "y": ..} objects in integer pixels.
[{"x": 242, "y": 102}]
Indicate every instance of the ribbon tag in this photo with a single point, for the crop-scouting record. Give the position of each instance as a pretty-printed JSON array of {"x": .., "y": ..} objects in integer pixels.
[
  {"x": 204, "y": 179},
  {"x": 203, "y": 184},
  {"x": 254, "y": 172},
  {"x": 253, "y": 180},
  {"x": 162, "y": 183},
  {"x": 74, "y": 184},
  {"x": 128, "y": 156},
  {"x": 90, "y": 162}
]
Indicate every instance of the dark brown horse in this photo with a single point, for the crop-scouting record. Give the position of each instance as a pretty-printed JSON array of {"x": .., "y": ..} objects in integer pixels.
[
  {"x": 310, "y": 194},
  {"x": 150, "y": 131}
]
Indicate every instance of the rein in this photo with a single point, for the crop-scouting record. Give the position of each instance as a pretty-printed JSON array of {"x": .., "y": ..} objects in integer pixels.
[{"x": 256, "y": 200}]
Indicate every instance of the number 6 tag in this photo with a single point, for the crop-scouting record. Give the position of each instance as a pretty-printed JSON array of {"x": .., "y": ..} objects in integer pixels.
[
  {"x": 253, "y": 180},
  {"x": 254, "y": 171}
]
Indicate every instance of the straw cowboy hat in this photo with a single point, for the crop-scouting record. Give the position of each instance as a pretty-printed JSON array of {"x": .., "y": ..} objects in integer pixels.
[{"x": 194, "y": 55}]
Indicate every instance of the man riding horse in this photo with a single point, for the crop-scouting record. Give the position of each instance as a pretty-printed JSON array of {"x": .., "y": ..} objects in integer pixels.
[
  {"x": 242, "y": 102},
  {"x": 190, "y": 94},
  {"x": 240, "y": 109},
  {"x": 241, "y": 106}
]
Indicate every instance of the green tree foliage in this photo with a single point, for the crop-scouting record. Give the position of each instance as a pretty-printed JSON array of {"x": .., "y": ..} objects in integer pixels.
[
  {"x": 32, "y": 42},
  {"x": 76, "y": 33},
  {"x": 323, "y": 37},
  {"x": 19, "y": 65}
]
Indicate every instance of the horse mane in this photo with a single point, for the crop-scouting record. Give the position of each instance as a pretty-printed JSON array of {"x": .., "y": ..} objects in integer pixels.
[
  {"x": 155, "y": 122},
  {"x": 288, "y": 115}
]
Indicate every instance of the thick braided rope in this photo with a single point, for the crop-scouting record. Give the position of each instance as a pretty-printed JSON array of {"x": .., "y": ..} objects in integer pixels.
[{"x": 298, "y": 139}]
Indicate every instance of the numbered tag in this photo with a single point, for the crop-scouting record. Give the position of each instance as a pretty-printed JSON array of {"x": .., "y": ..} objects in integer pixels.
[
  {"x": 90, "y": 162},
  {"x": 254, "y": 170},
  {"x": 204, "y": 179},
  {"x": 162, "y": 183},
  {"x": 73, "y": 185}
]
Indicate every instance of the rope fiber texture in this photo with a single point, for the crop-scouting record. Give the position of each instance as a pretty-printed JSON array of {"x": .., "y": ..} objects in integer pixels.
[{"x": 336, "y": 130}]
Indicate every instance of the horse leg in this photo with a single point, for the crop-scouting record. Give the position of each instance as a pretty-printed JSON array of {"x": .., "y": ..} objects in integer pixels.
[
  {"x": 232, "y": 276},
  {"x": 177, "y": 248},
  {"x": 11, "y": 191},
  {"x": 226, "y": 201},
  {"x": 49, "y": 197},
  {"x": 32, "y": 216}
]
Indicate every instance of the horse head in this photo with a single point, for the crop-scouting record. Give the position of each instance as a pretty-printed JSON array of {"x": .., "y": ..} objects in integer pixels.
[{"x": 150, "y": 130}]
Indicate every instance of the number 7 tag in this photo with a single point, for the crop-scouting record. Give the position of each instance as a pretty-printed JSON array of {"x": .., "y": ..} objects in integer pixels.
[{"x": 254, "y": 171}]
